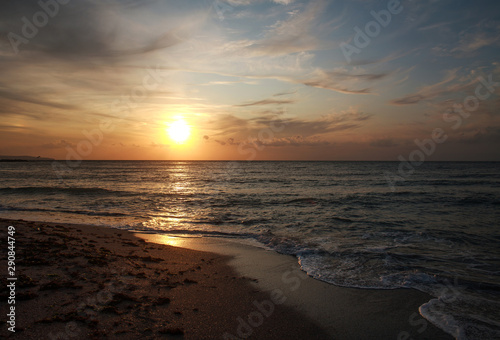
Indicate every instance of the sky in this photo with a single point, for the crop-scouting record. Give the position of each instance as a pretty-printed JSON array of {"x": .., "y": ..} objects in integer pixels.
[{"x": 250, "y": 79}]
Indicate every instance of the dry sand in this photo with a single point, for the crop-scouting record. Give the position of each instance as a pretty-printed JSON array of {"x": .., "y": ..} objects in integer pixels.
[{"x": 87, "y": 282}]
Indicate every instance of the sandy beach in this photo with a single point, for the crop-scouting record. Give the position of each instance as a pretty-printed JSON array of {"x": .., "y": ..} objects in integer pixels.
[{"x": 88, "y": 282}]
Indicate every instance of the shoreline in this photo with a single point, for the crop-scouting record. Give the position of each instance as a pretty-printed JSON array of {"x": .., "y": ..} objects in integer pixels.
[
  {"x": 344, "y": 312},
  {"x": 219, "y": 290}
]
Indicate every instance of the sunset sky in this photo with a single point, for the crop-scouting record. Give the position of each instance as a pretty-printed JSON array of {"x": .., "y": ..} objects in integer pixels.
[{"x": 251, "y": 79}]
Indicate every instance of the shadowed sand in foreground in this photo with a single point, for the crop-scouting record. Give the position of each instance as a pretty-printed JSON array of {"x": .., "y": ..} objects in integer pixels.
[{"x": 87, "y": 282}]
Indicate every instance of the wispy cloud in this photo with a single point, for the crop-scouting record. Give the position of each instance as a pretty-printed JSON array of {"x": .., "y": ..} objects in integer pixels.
[
  {"x": 27, "y": 98},
  {"x": 470, "y": 40},
  {"x": 435, "y": 25},
  {"x": 296, "y": 141},
  {"x": 335, "y": 122},
  {"x": 228, "y": 83},
  {"x": 58, "y": 144},
  {"x": 269, "y": 101},
  {"x": 292, "y": 35},
  {"x": 432, "y": 91},
  {"x": 343, "y": 81}
]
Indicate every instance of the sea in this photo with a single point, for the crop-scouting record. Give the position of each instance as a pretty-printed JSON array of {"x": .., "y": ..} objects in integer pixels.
[{"x": 436, "y": 229}]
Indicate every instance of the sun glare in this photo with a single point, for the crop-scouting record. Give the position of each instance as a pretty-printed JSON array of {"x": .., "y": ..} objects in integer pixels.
[{"x": 179, "y": 131}]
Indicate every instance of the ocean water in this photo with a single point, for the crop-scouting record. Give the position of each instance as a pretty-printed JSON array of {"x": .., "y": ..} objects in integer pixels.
[{"x": 438, "y": 231}]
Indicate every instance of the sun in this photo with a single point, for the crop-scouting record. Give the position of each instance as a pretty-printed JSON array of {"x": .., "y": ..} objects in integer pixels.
[{"x": 179, "y": 131}]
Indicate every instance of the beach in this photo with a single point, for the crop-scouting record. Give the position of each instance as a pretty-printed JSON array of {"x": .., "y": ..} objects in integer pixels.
[{"x": 90, "y": 282}]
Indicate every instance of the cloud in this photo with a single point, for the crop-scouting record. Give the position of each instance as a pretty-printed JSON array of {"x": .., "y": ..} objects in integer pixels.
[
  {"x": 391, "y": 57},
  {"x": 471, "y": 43},
  {"x": 251, "y": 2},
  {"x": 226, "y": 124},
  {"x": 360, "y": 76},
  {"x": 26, "y": 98},
  {"x": 483, "y": 34},
  {"x": 342, "y": 81},
  {"x": 470, "y": 40},
  {"x": 296, "y": 34},
  {"x": 283, "y": 93},
  {"x": 269, "y": 101},
  {"x": 335, "y": 122},
  {"x": 297, "y": 141},
  {"x": 284, "y": 2},
  {"x": 431, "y": 91},
  {"x": 13, "y": 127},
  {"x": 476, "y": 135},
  {"x": 435, "y": 25},
  {"x": 228, "y": 141},
  {"x": 239, "y": 129},
  {"x": 86, "y": 57},
  {"x": 285, "y": 52},
  {"x": 228, "y": 83},
  {"x": 58, "y": 145},
  {"x": 156, "y": 145},
  {"x": 88, "y": 30}
]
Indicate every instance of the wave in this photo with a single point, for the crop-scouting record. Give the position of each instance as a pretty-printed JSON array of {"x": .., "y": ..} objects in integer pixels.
[
  {"x": 179, "y": 232},
  {"x": 305, "y": 200},
  {"x": 77, "y": 212},
  {"x": 65, "y": 190},
  {"x": 449, "y": 182}
]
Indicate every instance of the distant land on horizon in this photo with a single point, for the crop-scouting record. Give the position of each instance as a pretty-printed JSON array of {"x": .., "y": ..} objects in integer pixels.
[{"x": 24, "y": 158}]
